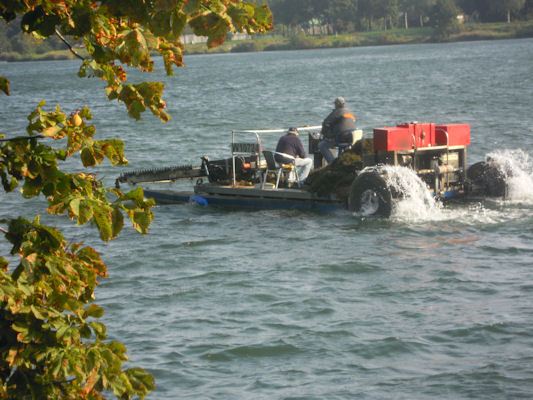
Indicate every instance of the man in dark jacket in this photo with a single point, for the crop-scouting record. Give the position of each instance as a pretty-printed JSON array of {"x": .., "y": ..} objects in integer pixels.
[
  {"x": 337, "y": 127},
  {"x": 291, "y": 145}
]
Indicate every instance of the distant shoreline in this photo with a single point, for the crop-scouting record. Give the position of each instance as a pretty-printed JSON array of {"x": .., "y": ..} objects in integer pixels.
[{"x": 468, "y": 32}]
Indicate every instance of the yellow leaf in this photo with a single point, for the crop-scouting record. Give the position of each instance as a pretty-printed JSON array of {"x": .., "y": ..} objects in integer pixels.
[{"x": 52, "y": 131}]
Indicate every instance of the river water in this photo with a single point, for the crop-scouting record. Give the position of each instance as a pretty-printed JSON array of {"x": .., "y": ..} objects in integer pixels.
[{"x": 435, "y": 302}]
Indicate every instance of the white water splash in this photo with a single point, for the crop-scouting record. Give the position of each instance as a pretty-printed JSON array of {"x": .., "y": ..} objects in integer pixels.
[
  {"x": 416, "y": 201},
  {"x": 517, "y": 168},
  {"x": 418, "y": 205}
]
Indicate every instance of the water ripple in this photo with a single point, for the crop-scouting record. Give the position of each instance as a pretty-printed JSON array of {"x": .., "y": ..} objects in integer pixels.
[{"x": 285, "y": 304}]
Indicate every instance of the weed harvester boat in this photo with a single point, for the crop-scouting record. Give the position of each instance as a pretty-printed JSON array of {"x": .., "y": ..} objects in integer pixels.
[{"x": 359, "y": 179}]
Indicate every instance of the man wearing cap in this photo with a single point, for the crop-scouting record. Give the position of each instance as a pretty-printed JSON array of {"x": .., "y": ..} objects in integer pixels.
[
  {"x": 337, "y": 127},
  {"x": 292, "y": 145}
]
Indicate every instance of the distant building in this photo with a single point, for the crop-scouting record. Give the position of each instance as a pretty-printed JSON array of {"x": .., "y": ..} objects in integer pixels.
[
  {"x": 193, "y": 39},
  {"x": 238, "y": 36}
]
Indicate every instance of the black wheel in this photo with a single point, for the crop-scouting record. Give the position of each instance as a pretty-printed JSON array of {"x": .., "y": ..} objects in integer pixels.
[
  {"x": 489, "y": 177},
  {"x": 370, "y": 195}
]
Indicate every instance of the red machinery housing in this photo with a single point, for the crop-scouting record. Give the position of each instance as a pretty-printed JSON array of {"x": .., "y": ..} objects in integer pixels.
[{"x": 420, "y": 135}]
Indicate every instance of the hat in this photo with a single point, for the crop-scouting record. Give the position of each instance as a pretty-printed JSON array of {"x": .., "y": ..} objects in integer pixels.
[
  {"x": 293, "y": 130},
  {"x": 339, "y": 101}
]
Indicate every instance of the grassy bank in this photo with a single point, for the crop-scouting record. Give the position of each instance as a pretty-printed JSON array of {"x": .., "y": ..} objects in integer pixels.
[
  {"x": 466, "y": 32},
  {"x": 300, "y": 42},
  {"x": 48, "y": 56},
  {"x": 494, "y": 31}
]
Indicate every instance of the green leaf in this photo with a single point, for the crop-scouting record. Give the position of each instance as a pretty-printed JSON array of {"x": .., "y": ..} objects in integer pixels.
[
  {"x": 99, "y": 329},
  {"x": 50, "y": 236},
  {"x": 31, "y": 19},
  {"x": 85, "y": 331},
  {"x": 95, "y": 311},
  {"x": 102, "y": 218},
  {"x": 92, "y": 359},
  {"x": 39, "y": 313},
  {"x": 178, "y": 22},
  {"x": 61, "y": 154},
  {"x": 141, "y": 220},
  {"x": 56, "y": 363},
  {"x": 136, "y": 195},
  {"x": 141, "y": 380},
  {"x": 33, "y": 169},
  {"x": 111, "y": 358},
  {"x": 20, "y": 326},
  {"x": 85, "y": 212},
  {"x": 40, "y": 22},
  {"x": 114, "y": 151},
  {"x": 119, "y": 349},
  {"x": 74, "y": 206},
  {"x": 4, "y": 85},
  {"x": 191, "y": 6},
  {"x": 217, "y": 36},
  {"x": 87, "y": 157},
  {"x": 17, "y": 229},
  {"x": 75, "y": 306},
  {"x": 31, "y": 187},
  {"x": 135, "y": 109},
  {"x": 117, "y": 222},
  {"x": 160, "y": 24}
]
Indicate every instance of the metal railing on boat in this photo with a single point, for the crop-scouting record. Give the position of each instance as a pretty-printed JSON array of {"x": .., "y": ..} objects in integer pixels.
[{"x": 239, "y": 147}]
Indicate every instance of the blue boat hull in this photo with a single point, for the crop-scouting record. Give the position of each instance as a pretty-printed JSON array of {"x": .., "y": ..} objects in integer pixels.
[{"x": 247, "y": 197}]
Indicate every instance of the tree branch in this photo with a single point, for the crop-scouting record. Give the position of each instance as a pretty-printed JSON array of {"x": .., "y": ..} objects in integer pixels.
[
  {"x": 21, "y": 138},
  {"x": 60, "y": 36}
]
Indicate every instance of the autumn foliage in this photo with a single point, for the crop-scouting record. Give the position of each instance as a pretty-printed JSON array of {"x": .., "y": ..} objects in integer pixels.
[{"x": 52, "y": 345}]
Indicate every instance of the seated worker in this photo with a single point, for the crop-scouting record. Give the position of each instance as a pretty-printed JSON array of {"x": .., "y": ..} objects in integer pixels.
[
  {"x": 292, "y": 145},
  {"x": 337, "y": 127}
]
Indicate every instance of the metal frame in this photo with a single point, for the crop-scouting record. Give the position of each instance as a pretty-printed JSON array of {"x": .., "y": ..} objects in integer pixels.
[
  {"x": 278, "y": 168},
  {"x": 257, "y": 132}
]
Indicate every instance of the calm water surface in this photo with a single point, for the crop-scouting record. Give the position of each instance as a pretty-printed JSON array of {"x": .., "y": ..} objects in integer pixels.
[{"x": 432, "y": 303}]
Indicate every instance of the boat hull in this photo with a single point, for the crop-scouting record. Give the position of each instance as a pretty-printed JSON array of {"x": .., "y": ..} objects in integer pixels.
[
  {"x": 168, "y": 196},
  {"x": 247, "y": 197}
]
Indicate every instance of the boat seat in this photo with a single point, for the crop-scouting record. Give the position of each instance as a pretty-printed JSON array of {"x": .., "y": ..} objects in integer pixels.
[
  {"x": 355, "y": 135},
  {"x": 278, "y": 169}
]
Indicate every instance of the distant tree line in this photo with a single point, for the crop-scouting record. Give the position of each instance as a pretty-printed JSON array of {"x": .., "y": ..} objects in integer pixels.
[
  {"x": 331, "y": 17},
  {"x": 339, "y": 16},
  {"x": 13, "y": 41}
]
